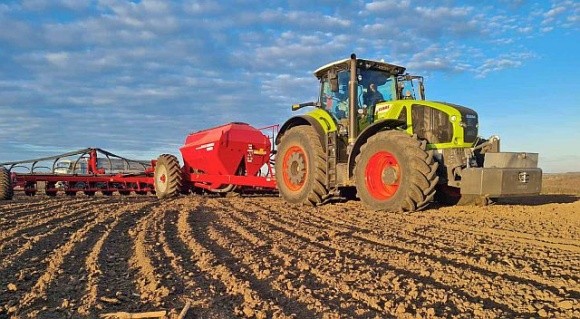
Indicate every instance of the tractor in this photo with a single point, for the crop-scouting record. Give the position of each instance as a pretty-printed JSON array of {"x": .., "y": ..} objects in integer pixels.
[{"x": 372, "y": 135}]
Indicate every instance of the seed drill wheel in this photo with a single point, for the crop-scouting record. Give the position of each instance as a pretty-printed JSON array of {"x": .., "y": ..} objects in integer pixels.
[
  {"x": 167, "y": 176},
  {"x": 6, "y": 191},
  {"x": 394, "y": 172},
  {"x": 300, "y": 166}
]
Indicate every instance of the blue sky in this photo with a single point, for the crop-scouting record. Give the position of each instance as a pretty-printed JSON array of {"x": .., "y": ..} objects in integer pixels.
[{"x": 135, "y": 77}]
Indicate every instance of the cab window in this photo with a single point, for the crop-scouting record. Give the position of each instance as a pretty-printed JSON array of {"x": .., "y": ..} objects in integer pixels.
[{"x": 336, "y": 102}]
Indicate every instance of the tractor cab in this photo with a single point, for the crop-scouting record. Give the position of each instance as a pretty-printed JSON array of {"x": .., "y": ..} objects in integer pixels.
[{"x": 375, "y": 83}]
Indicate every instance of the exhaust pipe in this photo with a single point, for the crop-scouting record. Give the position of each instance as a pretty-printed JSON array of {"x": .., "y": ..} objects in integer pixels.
[{"x": 352, "y": 105}]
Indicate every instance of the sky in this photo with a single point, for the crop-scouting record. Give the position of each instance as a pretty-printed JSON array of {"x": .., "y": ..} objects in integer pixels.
[{"x": 135, "y": 77}]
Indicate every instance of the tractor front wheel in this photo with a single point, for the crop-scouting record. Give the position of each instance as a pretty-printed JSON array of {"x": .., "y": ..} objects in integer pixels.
[
  {"x": 167, "y": 176},
  {"x": 394, "y": 172},
  {"x": 301, "y": 167},
  {"x": 6, "y": 191}
]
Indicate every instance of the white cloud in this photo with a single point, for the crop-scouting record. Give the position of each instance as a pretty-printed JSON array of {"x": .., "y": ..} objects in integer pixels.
[
  {"x": 40, "y": 5},
  {"x": 387, "y": 5},
  {"x": 504, "y": 61},
  {"x": 59, "y": 59}
]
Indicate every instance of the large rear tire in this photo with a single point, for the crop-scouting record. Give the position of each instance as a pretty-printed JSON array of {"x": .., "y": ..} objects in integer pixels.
[
  {"x": 168, "y": 179},
  {"x": 395, "y": 172},
  {"x": 301, "y": 167},
  {"x": 6, "y": 191}
]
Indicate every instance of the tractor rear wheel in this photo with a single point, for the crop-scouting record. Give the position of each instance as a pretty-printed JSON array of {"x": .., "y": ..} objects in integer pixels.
[
  {"x": 395, "y": 172},
  {"x": 167, "y": 176},
  {"x": 6, "y": 191},
  {"x": 301, "y": 167}
]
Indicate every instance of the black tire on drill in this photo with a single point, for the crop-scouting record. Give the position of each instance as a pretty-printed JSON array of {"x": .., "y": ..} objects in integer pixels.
[
  {"x": 168, "y": 179},
  {"x": 395, "y": 172},
  {"x": 301, "y": 167},
  {"x": 6, "y": 191}
]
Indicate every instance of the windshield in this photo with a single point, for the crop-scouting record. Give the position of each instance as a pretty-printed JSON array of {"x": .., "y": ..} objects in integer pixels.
[
  {"x": 373, "y": 86},
  {"x": 410, "y": 87}
]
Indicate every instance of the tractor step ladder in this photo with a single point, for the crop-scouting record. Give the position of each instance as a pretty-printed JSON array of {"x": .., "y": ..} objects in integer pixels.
[{"x": 331, "y": 160}]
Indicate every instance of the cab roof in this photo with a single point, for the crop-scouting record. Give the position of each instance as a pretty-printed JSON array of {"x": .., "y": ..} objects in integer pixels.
[{"x": 365, "y": 64}]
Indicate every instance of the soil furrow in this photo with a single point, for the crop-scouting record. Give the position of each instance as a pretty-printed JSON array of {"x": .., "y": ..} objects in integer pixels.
[
  {"x": 16, "y": 206},
  {"x": 512, "y": 258},
  {"x": 29, "y": 266},
  {"x": 192, "y": 228},
  {"x": 201, "y": 288},
  {"x": 294, "y": 230},
  {"x": 31, "y": 226},
  {"x": 255, "y": 268},
  {"x": 116, "y": 289},
  {"x": 15, "y": 249},
  {"x": 59, "y": 257},
  {"x": 148, "y": 276},
  {"x": 93, "y": 269},
  {"x": 331, "y": 268},
  {"x": 323, "y": 274},
  {"x": 34, "y": 209},
  {"x": 206, "y": 292},
  {"x": 489, "y": 258},
  {"x": 280, "y": 271},
  {"x": 466, "y": 250},
  {"x": 451, "y": 269}
]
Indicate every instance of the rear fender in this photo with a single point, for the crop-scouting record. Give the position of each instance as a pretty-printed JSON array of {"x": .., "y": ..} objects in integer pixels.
[{"x": 319, "y": 119}]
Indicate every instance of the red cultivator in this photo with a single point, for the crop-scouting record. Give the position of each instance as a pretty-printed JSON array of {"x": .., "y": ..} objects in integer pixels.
[
  {"x": 82, "y": 171},
  {"x": 232, "y": 157}
]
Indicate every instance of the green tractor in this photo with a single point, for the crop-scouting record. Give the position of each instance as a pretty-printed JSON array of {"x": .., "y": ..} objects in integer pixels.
[{"x": 372, "y": 135}]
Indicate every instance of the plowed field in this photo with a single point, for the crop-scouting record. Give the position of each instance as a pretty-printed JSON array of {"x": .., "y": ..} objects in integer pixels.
[{"x": 259, "y": 257}]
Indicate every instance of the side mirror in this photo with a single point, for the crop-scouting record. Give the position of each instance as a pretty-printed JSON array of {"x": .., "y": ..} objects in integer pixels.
[{"x": 333, "y": 78}]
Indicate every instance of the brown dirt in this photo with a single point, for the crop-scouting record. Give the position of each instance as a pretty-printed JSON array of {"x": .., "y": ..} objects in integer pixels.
[{"x": 259, "y": 257}]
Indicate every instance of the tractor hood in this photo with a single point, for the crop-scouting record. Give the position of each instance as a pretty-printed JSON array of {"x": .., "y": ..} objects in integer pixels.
[{"x": 469, "y": 121}]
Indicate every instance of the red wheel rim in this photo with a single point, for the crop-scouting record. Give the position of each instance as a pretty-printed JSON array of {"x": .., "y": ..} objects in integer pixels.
[
  {"x": 294, "y": 168},
  {"x": 383, "y": 175}
]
